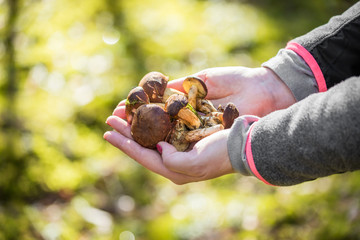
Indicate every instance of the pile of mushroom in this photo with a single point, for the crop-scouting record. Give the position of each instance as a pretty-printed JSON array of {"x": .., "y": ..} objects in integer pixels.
[{"x": 158, "y": 113}]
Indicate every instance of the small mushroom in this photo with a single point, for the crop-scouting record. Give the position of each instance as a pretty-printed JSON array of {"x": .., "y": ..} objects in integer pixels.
[
  {"x": 135, "y": 99},
  {"x": 198, "y": 134},
  {"x": 151, "y": 124},
  {"x": 225, "y": 118},
  {"x": 229, "y": 115},
  {"x": 220, "y": 108},
  {"x": 195, "y": 87},
  {"x": 155, "y": 85},
  {"x": 176, "y": 106},
  {"x": 177, "y": 136},
  {"x": 205, "y": 106},
  {"x": 212, "y": 119},
  {"x": 181, "y": 138}
]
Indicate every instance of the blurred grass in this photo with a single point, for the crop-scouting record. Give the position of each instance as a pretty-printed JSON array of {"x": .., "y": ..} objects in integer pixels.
[{"x": 66, "y": 64}]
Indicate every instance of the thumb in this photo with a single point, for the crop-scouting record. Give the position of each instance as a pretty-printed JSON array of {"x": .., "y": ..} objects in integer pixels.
[
  {"x": 165, "y": 148},
  {"x": 172, "y": 159},
  {"x": 177, "y": 84}
]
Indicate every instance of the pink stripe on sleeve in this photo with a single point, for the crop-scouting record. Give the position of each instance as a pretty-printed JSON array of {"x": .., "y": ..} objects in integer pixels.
[
  {"x": 310, "y": 60},
  {"x": 250, "y": 159}
]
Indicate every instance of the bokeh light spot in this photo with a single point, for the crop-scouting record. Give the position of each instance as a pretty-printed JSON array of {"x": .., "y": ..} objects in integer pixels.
[
  {"x": 126, "y": 235},
  {"x": 111, "y": 37}
]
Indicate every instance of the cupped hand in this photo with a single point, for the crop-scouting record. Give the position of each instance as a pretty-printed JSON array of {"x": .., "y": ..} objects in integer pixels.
[{"x": 206, "y": 160}]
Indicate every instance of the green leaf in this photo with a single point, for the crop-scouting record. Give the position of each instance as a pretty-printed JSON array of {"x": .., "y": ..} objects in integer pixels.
[{"x": 188, "y": 106}]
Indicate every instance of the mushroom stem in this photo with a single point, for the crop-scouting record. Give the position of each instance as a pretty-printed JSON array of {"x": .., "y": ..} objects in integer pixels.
[
  {"x": 189, "y": 118},
  {"x": 192, "y": 95},
  {"x": 170, "y": 91},
  {"x": 198, "y": 134}
]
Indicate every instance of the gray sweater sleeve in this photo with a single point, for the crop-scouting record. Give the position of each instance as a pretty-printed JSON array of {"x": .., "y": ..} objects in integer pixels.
[
  {"x": 321, "y": 58},
  {"x": 315, "y": 137},
  {"x": 236, "y": 144},
  {"x": 320, "y": 134},
  {"x": 294, "y": 72}
]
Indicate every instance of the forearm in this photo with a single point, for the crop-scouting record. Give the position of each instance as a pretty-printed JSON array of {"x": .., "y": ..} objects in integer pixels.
[
  {"x": 321, "y": 58},
  {"x": 316, "y": 137},
  {"x": 335, "y": 46}
]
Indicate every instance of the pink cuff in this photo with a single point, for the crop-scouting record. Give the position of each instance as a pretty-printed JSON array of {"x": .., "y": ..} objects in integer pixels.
[
  {"x": 311, "y": 62},
  {"x": 250, "y": 159}
]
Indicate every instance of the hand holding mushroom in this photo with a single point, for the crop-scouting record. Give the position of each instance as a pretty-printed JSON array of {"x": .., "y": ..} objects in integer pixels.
[
  {"x": 173, "y": 119},
  {"x": 206, "y": 160},
  {"x": 158, "y": 113},
  {"x": 254, "y": 91}
]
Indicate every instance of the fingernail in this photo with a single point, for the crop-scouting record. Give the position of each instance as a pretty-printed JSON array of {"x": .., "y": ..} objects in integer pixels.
[
  {"x": 159, "y": 148},
  {"x": 107, "y": 122},
  {"x": 106, "y": 134}
]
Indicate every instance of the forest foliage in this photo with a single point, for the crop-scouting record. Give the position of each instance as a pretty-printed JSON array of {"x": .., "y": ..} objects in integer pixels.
[{"x": 64, "y": 66}]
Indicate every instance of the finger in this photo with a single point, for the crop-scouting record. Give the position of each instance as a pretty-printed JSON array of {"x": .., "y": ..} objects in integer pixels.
[
  {"x": 148, "y": 158},
  {"x": 120, "y": 125},
  {"x": 180, "y": 162},
  {"x": 176, "y": 84},
  {"x": 120, "y": 112},
  {"x": 122, "y": 103}
]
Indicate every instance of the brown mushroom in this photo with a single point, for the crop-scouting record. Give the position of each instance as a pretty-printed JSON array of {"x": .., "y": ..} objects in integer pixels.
[
  {"x": 177, "y": 106},
  {"x": 229, "y": 115},
  {"x": 225, "y": 118},
  {"x": 195, "y": 87},
  {"x": 135, "y": 99},
  {"x": 155, "y": 85},
  {"x": 151, "y": 124}
]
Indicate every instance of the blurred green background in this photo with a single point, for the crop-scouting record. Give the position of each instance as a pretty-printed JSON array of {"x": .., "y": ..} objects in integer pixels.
[{"x": 64, "y": 66}]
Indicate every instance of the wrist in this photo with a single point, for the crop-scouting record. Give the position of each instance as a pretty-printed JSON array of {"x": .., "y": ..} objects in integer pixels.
[
  {"x": 295, "y": 72},
  {"x": 280, "y": 94}
]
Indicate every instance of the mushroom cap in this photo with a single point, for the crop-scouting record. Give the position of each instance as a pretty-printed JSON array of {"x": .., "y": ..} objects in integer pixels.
[
  {"x": 230, "y": 114},
  {"x": 135, "y": 99},
  {"x": 200, "y": 84},
  {"x": 154, "y": 84},
  {"x": 175, "y": 103},
  {"x": 151, "y": 124}
]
